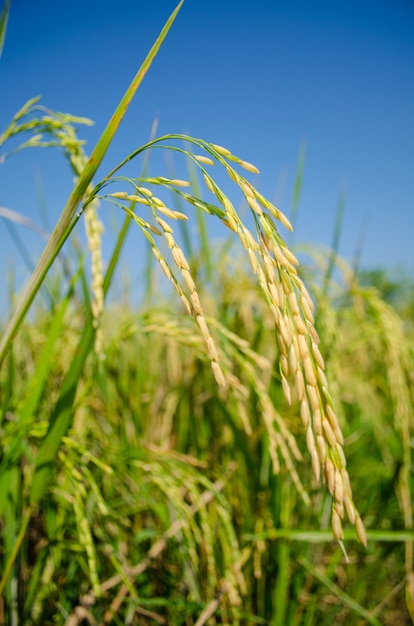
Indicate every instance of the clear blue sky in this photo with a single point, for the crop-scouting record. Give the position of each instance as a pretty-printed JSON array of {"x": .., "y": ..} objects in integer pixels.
[{"x": 262, "y": 78}]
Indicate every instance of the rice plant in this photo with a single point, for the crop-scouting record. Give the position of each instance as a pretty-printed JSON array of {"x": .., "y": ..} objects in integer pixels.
[{"x": 183, "y": 463}]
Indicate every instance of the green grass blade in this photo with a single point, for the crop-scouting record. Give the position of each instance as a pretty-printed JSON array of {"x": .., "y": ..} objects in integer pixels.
[
  {"x": 297, "y": 187},
  {"x": 61, "y": 419},
  {"x": 68, "y": 217},
  {"x": 33, "y": 397},
  {"x": 335, "y": 242},
  {"x": 16, "y": 548},
  {"x": 3, "y": 24},
  {"x": 337, "y": 591}
]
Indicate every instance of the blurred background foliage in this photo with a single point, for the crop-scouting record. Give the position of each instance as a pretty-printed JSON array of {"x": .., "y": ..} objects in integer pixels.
[{"x": 158, "y": 455}]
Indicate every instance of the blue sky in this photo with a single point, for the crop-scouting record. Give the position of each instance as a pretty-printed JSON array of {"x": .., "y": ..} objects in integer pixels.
[{"x": 262, "y": 78}]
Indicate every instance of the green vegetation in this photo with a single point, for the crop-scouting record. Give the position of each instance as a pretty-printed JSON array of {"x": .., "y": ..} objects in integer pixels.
[{"x": 183, "y": 462}]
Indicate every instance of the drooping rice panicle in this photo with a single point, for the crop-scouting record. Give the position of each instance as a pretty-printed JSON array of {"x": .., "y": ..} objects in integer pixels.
[
  {"x": 302, "y": 366},
  {"x": 298, "y": 340},
  {"x": 281, "y": 440},
  {"x": 182, "y": 264}
]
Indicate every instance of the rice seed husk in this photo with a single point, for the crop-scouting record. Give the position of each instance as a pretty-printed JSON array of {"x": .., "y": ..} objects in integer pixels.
[
  {"x": 309, "y": 371},
  {"x": 269, "y": 267},
  {"x": 220, "y": 149},
  {"x": 329, "y": 433},
  {"x": 232, "y": 174},
  {"x": 333, "y": 420},
  {"x": 203, "y": 159},
  {"x": 346, "y": 483},
  {"x": 284, "y": 330},
  {"x": 248, "y": 166},
  {"x": 286, "y": 390},
  {"x": 145, "y": 191},
  {"x": 178, "y": 182},
  {"x": 281, "y": 217},
  {"x": 317, "y": 421},
  {"x": 338, "y": 432},
  {"x": 293, "y": 361},
  {"x": 275, "y": 297},
  {"x": 164, "y": 225},
  {"x": 340, "y": 509},
  {"x": 280, "y": 258},
  {"x": 310, "y": 440},
  {"x": 307, "y": 308},
  {"x": 188, "y": 279},
  {"x": 323, "y": 382},
  {"x": 254, "y": 263},
  {"x": 304, "y": 412},
  {"x": 183, "y": 297},
  {"x": 303, "y": 346},
  {"x": 284, "y": 365},
  {"x": 350, "y": 509},
  {"x": 340, "y": 452},
  {"x": 313, "y": 397},
  {"x": 165, "y": 268},
  {"x": 321, "y": 445},
  {"x": 339, "y": 490},
  {"x": 132, "y": 197},
  {"x": 251, "y": 241},
  {"x": 230, "y": 223},
  {"x": 196, "y": 303},
  {"x": 254, "y": 205},
  {"x": 218, "y": 374},
  {"x": 293, "y": 303},
  {"x": 275, "y": 311},
  {"x": 299, "y": 385},
  {"x": 330, "y": 475},
  {"x": 211, "y": 347},
  {"x": 289, "y": 254},
  {"x": 247, "y": 188},
  {"x": 360, "y": 531},
  {"x": 175, "y": 215},
  {"x": 209, "y": 183},
  {"x": 300, "y": 325},
  {"x": 316, "y": 465},
  {"x": 179, "y": 258},
  {"x": 312, "y": 332},
  {"x": 337, "y": 530}
]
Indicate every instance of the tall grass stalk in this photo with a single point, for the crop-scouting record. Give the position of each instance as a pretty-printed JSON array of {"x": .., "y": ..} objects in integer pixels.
[{"x": 69, "y": 217}]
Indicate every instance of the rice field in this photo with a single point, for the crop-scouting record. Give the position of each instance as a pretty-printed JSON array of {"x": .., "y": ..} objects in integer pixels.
[{"x": 233, "y": 449}]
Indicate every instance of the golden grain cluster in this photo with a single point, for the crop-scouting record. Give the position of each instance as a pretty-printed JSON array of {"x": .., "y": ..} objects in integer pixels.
[{"x": 302, "y": 368}]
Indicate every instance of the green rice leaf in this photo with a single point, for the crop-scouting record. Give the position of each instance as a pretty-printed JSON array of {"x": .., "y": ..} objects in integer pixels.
[{"x": 3, "y": 24}]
